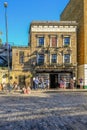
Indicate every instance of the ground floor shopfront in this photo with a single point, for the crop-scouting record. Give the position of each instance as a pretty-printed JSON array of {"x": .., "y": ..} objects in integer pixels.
[{"x": 55, "y": 78}]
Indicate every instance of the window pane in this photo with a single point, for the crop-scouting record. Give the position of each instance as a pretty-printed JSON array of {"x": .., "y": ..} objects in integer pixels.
[
  {"x": 41, "y": 59},
  {"x": 67, "y": 58},
  {"x": 54, "y": 42},
  {"x": 21, "y": 57},
  {"x": 66, "y": 40},
  {"x": 54, "y": 58},
  {"x": 41, "y": 41}
]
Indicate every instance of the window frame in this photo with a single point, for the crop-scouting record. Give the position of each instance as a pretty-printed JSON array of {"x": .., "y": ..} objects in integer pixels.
[
  {"x": 53, "y": 58},
  {"x": 38, "y": 59},
  {"x": 21, "y": 57},
  {"x": 69, "y": 59},
  {"x": 51, "y": 44},
  {"x": 40, "y": 44},
  {"x": 66, "y": 43}
]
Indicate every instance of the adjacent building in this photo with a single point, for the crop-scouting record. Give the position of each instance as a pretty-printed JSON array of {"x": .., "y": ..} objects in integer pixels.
[
  {"x": 21, "y": 72},
  {"x": 76, "y": 10}
]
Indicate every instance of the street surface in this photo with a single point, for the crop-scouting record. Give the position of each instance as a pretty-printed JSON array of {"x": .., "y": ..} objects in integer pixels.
[{"x": 42, "y": 110}]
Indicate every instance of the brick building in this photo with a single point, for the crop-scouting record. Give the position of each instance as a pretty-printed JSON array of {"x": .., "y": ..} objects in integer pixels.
[
  {"x": 76, "y": 10},
  {"x": 51, "y": 54},
  {"x": 21, "y": 66},
  {"x": 53, "y": 49}
]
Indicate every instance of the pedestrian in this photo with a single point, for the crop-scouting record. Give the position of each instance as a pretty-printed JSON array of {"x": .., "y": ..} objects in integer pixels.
[
  {"x": 62, "y": 83},
  {"x": 47, "y": 83},
  {"x": 26, "y": 90},
  {"x": 71, "y": 83},
  {"x": 41, "y": 80},
  {"x": 36, "y": 82},
  {"x": 4, "y": 86},
  {"x": 1, "y": 87},
  {"x": 81, "y": 83},
  {"x": 33, "y": 82},
  {"x": 15, "y": 86}
]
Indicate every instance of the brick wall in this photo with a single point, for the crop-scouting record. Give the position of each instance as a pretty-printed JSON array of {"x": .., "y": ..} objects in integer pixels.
[{"x": 74, "y": 11}]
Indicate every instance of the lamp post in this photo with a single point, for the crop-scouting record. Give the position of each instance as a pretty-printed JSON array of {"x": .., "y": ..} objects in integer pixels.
[{"x": 6, "y": 25}]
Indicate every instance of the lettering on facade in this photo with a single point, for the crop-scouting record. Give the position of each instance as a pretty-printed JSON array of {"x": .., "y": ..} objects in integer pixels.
[{"x": 53, "y": 29}]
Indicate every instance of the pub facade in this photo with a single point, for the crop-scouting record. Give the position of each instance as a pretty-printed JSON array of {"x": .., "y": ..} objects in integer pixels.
[{"x": 53, "y": 51}]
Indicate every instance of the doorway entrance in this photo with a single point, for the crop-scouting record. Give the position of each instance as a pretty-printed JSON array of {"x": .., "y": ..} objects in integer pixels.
[
  {"x": 54, "y": 81},
  {"x": 56, "y": 77}
]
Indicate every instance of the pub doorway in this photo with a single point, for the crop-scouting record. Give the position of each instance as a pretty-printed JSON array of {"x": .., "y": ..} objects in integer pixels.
[
  {"x": 54, "y": 81},
  {"x": 56, "y": 77}
]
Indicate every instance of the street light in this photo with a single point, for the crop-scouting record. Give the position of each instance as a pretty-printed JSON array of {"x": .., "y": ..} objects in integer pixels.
[{"x": 6, "y": 25}]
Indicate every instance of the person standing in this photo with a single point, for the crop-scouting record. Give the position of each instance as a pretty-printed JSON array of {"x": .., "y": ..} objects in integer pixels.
[
  {"x": 71, "y": 83},
  {"x": 81, "y": 83},
  {"x": 33, "y": 82},
  {"x": 1, "y": 87},
  {"x": 47, "y": 83},
  {"x": 63, "y": 83},
  {"x": 36, "y": 82}
]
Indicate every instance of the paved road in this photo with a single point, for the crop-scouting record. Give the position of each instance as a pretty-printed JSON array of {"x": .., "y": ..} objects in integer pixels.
[{"x": 43, "y": 110}]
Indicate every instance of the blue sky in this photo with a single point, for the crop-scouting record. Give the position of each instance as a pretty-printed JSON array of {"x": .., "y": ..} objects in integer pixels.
[{"x": 22, "y": 12}]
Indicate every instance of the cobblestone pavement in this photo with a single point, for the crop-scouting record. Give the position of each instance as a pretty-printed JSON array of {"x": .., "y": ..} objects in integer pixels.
[{"x": 43, "y": 110}]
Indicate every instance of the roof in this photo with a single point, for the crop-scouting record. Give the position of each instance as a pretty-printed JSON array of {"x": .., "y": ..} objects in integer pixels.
[{"x": 53, "y": 23}]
